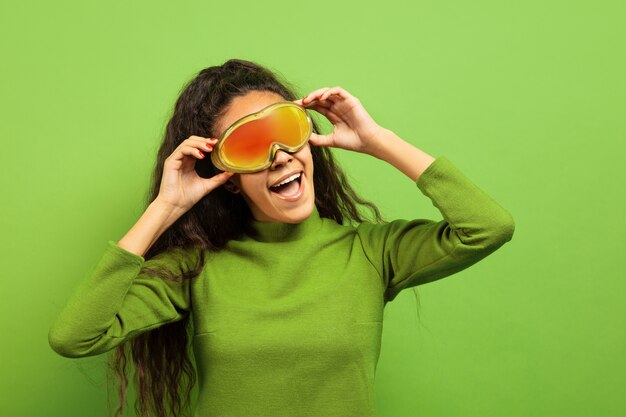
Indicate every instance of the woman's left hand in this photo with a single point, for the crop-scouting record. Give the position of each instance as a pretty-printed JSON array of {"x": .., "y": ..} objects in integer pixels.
[{"x": 354, "y": 129}]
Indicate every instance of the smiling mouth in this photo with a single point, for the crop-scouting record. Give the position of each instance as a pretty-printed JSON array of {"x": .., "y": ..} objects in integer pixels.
[{"x": 290, "y": 191}]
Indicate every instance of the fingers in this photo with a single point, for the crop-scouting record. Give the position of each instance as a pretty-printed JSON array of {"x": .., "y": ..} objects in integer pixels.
[
  {"x": 326, "y": 93},
  {"x": 194, "y": 151},
  {"x": 202, "y": 143},
  {"x": 325, "y": 111},
  {"x": 335, "y": 95},
  {"x": 313, "y": 94},
  {"x": 195, "y": 146},
  {"x": 314, "y": 102}
]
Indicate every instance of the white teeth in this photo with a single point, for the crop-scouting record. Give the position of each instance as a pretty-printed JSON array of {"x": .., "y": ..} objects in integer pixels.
[{"x": 286, "y": 180}]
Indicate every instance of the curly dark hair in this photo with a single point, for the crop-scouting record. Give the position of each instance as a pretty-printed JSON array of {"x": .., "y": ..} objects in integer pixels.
[{"x": 161, "y": 356}]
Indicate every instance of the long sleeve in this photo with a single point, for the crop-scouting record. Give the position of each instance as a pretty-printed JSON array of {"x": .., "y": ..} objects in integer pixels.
[
  {"x": 115, "y": 302},
  {"x": 408, "y": 253}
]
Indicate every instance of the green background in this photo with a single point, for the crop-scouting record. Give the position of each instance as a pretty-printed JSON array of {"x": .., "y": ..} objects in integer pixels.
[{"x": 527, "y": 98}]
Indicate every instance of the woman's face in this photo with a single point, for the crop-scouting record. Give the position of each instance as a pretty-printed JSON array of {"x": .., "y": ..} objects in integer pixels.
[{"x": 266, "y": 205}]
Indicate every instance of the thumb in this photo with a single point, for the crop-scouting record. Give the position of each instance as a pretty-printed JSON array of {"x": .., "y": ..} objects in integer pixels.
[
  {"x": 319, "y": 140},
  {"x": 218, "y": 179},
  {"x": 224, "y": 176}
]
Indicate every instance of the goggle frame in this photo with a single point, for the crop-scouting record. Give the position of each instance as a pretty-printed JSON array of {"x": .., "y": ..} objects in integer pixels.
[{"x": 216, "y": 154}]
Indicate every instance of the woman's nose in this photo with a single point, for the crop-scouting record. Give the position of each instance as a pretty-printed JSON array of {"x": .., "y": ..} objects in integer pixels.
[{"x": 280, "y": 158}]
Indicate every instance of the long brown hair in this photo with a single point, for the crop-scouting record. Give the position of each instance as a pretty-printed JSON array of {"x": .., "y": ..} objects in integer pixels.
[{"x": 161, "y": 356}]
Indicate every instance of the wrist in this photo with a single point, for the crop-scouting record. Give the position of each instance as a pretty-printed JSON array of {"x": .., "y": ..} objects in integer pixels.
[
  {"x": 406, "y": 157},
  {"x": 155, "y": 220},
  {"x": 377, "y": 145},
  {"x": 166, "y": 211},
  {"x": 164, "y": 205}
]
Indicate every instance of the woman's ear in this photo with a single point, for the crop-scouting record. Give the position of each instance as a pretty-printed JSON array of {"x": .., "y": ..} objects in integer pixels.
[{"x": 231, "y": 186}]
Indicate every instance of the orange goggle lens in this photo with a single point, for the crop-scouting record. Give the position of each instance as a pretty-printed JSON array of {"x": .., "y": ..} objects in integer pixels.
[{"x": 249, "y": 144}]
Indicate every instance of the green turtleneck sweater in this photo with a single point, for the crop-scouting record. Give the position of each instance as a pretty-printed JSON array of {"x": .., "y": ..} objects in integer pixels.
[{"x": 288, "y": 320}]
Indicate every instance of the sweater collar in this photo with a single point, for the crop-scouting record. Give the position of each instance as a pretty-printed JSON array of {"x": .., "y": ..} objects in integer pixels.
[{"x": 278, "y": 232}]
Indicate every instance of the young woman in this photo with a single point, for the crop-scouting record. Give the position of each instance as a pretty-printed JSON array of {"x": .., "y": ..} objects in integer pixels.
[{"x": 283, "y": 280}]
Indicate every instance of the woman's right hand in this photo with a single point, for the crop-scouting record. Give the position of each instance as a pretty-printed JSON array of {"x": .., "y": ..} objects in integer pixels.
[{"x": 181, "y": 186}]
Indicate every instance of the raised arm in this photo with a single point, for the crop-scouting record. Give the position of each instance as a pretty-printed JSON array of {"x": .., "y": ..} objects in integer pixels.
[
  {"x": 115, "y": 301},
  {"x": 413, "y": 252}
]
